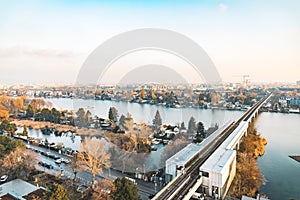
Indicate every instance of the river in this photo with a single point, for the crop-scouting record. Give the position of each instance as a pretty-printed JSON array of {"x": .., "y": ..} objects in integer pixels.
[
  {"x": 282, "y": 132},
  {"x": 282, "y": 173}
]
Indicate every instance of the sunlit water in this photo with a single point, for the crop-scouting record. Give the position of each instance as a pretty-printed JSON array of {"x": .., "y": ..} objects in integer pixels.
[{"x": 281, "y": 172}]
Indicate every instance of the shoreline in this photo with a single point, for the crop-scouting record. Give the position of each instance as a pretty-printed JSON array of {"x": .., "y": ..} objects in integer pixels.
[
  {"x": 36, "y": 125},
  {"x": 184, "y": 107}
]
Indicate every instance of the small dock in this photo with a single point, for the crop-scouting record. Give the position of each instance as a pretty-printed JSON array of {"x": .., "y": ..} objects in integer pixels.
[{"x": 297, "y": 158}]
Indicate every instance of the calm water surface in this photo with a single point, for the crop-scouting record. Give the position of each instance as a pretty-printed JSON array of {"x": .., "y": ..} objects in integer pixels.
[{"x": 281, "y": 172}]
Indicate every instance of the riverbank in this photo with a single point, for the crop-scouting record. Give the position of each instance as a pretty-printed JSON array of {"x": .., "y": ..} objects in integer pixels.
[
  {"x": 36, "y": 125},
  {"x": 248, "y": 177}
]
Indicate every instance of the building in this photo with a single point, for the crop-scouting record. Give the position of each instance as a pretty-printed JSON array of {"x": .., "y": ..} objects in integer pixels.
[
  {"x": 19, "y": 190},
  {"x": 181, "y": 160},
  {"x": 219, "y": 169},
  {"x": 218, "y": 172}
]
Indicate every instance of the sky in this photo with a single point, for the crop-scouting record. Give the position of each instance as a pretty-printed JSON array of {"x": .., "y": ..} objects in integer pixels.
[{"x": 48, "y": 41}]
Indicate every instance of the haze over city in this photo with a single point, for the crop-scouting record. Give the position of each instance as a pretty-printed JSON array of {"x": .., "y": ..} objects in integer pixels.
[
  {"x": 157, "y": 99},
  {"x": 48, "y": 41}
]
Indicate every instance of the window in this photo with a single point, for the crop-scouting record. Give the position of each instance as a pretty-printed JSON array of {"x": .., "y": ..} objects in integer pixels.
[{"x": 205, "y": 174}]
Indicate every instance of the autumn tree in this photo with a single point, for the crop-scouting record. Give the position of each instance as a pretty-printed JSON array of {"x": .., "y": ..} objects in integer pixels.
[
  {"x": 215, "y": 98},
  {"x": 103, "y": 190},
  {"x": 152, "y": 94},
  {"x": 125, "y": 189},
  {"x": 157, "y": 121},
  {"x": 25, "y": 132},
  {"x": 57, "y": 192},
  {"x": 18, "y": 161},
  {"x": 143, "y": 93},
  {"x": 93, "y": 157},
  {"x": 3, "y": 113},
  {"x": 192, "y": 125}
]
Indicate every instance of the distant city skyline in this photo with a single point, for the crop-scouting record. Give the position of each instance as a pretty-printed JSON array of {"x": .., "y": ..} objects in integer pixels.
[{"x": 48, "y": 41}]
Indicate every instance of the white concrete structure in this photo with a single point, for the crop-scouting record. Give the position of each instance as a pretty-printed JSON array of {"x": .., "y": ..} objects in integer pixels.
[
  {"x": 234, "y": 139},
  {"x": 218, "y": 172},
  {"x": 219, "y": 169},
  {"x": 177, "y": 163}
]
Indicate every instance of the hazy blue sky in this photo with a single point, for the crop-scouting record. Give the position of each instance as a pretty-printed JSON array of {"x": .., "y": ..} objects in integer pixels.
[{"x": 47, "y": 41}]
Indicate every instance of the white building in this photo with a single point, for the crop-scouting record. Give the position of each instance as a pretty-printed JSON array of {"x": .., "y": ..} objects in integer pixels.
[
  {"x": 218, "y": 172},
  {"x": 181, "y": 160},
  {"x": 219, "y": 169}
]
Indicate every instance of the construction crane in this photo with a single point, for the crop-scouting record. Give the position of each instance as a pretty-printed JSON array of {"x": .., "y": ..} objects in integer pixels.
[{"x": 246, "y": 79}]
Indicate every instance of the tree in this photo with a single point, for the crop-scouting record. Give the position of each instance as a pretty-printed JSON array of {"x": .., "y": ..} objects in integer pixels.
[
  {"x": 8, "y": 145},
  {"x": 152, "y": 94},
  {"x": 4, "y": 114},
  {"x": 81, "y": 120},
  {"x": 75, "y": 166},
  {"x": 215, "y": 98},
  {"x": 182, "y": 126},
  {"x": 18, "y": 161},
  {"x": 93, "y": 157},
  {"x": 55, "y": 116},
  {"x": 129, "y": 123},
  {"x": 25, "y": 132},
  {"x": 8, "y": 127},
  {"x": 122, "y": 122},
  {"x": 46, "y": 142},
  {"x": 143, "y": 93},
  {"x": 113, "y": 114},
  {"x": 57, "y": 192},
  {"x": 125, "y": 189},
  {"x": 29, "y": 111},
  {"x": 88, "y": 118},
  {"x": 192, "y": 125},
  {"x": 200, "y": 128},
  {"x": 157, "y": 121},
  {"x": 104, "y": 190}
]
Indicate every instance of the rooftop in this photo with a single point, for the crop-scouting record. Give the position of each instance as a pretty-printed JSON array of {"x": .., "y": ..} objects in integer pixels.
[
  {"x": 187, "y": 153},
  {"x": 218, "y": 160},
  {"x": 17, "y": 188}
]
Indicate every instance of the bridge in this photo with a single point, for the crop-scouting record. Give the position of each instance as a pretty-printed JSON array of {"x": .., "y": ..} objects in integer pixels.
[{"x": 211, "y": 164}]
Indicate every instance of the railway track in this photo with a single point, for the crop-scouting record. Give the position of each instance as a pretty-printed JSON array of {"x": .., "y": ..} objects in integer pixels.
[{"x": 180, "y": 187}]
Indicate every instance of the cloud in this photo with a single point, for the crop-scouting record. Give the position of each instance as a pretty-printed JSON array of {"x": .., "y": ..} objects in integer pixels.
[
  {"x": 223, "y": 8},
  {"x": 19, "y": 51}
]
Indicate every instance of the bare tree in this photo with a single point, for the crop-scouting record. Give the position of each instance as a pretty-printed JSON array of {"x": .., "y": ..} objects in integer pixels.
[
  {"x": 74, "y": 165},
  {"x": 93, "y": 157}
]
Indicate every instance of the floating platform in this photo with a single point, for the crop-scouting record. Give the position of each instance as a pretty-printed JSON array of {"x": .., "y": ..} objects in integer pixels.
[{"x": 297, "y": 158}]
